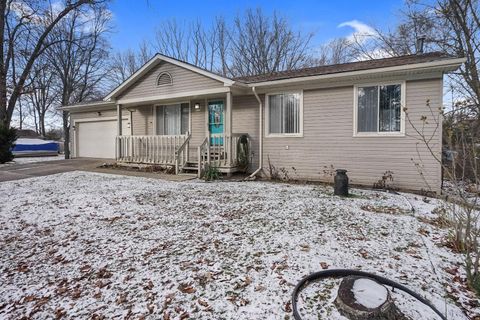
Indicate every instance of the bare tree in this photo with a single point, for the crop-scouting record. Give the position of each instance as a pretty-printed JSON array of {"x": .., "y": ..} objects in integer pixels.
[
  {"x": 174, "y": 39},
  {"x": 460, "y": 22},
  {"x": 255, "y": 43},
  {"x": 124, "y": 64},
  {"x": 192, "y": 42},
  {"x": 262, "y": 44},
  {"x": 24, "y": 28},
  {"x": 450, "y": 26},
  {"x": 42, "y": 93},
  {"x": 461, "y": 169},
  {"x": 80, "y": 59},
  {"x": 22, "y": 112},
  {"x": 334, "y": 52},
  {"x": 223, "y": 45},
  {"x": 401, "y": 40}
]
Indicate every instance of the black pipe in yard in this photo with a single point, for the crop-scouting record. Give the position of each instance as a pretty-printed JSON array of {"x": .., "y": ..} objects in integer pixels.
[{"x": 340, "y": 273}]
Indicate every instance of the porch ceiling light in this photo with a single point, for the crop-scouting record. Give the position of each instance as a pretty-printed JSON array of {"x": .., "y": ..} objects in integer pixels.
[{"x": 197, "y": 106}]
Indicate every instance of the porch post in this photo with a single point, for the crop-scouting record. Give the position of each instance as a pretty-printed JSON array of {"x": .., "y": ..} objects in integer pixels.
[
  {"x": 119, "y": 131},
  {"x": 228, "y": 127}
]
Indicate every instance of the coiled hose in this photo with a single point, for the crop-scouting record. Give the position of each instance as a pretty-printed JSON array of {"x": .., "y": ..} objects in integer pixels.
[{"x": 339, "y": 273}]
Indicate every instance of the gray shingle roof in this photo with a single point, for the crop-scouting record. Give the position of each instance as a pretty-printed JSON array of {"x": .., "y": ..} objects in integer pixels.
[{"x": 346, "y": 67}]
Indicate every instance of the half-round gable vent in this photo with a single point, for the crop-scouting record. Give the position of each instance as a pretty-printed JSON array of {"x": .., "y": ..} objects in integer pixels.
[{"x": 164, "y": 79}]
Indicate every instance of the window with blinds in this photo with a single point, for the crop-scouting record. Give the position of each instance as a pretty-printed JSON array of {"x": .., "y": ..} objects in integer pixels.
[
  {"x": 173, "y": 119},
  {"x": 284, "y": 114},
  {"x": 379, "y": 108}
]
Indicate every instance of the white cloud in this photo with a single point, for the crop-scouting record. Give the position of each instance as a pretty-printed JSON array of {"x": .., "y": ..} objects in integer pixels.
[{"x": 361, "y": 31}]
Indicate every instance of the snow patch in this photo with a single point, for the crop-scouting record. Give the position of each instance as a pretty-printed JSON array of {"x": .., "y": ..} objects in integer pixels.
[
  {"x": 30, "y": 141},
  {"x": 369, "y": 293},
  {"x": 82, "y": 244}
]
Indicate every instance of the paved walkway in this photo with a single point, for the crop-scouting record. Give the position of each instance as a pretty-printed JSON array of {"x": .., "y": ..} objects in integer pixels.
[{"x": 38, "y": 169}]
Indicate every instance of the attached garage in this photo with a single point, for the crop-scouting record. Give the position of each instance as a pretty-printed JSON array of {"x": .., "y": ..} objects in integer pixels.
[{"x": 96, "y": 139}]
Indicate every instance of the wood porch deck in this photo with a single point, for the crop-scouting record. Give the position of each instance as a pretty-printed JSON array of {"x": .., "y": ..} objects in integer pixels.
[{"x": 218, "y": 150}]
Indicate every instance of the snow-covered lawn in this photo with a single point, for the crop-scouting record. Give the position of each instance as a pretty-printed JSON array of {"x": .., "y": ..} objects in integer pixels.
[
  {"x": 88, "y": 245},
  {"x": 23, "y": 160}
]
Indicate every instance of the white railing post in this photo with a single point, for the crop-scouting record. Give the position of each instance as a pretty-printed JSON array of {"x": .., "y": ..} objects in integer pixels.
[
  {"x": 208, "y": 150},
  {"x": 199, "y": 165},
  {"x": 119, "y": 130},
  {"x": 170, "y": 150}
]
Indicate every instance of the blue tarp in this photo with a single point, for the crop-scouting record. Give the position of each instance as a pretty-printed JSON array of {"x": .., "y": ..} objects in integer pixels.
[
  {"x": 52, "y": 146},
  {"x": 35, "y": 146}
]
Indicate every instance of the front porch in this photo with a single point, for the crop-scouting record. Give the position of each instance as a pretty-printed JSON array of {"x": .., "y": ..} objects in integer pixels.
[
  {"x": 200, "y": 140},
  {"x": 218, "y": 150}
]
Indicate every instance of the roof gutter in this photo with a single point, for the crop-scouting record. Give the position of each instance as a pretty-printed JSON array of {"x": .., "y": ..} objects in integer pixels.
[
  {"x": 445, "y": 65},
  {"x": 260, "y": 142},
  {"x": 88, "y": 106}
]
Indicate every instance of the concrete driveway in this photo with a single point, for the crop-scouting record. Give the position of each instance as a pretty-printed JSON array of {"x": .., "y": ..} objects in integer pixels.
[{"x": 37, "y": 169}]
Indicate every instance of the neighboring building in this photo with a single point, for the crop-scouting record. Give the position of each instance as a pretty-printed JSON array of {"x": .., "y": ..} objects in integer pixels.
[
  {"x": 348, "y": 116},
  {"x": 28, "y": 133}
]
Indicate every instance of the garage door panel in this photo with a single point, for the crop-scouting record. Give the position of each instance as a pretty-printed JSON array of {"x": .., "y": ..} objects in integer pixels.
[{"x": 96, "y": 139}]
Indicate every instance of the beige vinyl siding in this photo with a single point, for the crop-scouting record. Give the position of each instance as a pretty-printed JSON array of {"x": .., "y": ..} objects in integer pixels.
[
  {"x": 93, "y": 114},
  {"x": 328, "y": 141},
  {"x": 183, "y": 81},
  {"x": 246, "y": 120},
  {"x": 198, "y": 126},
  {"x": 142, "y": 120}
]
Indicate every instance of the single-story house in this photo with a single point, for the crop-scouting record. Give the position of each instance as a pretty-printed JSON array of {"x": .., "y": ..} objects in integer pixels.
[{"x": 302, "y": 123}]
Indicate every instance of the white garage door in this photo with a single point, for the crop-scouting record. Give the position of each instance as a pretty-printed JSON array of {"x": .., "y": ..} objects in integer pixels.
[{"x": 96, "y": 139}]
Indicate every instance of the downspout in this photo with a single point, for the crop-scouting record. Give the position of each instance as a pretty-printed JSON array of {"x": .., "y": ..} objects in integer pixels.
[{"x": 260, "y": 142}]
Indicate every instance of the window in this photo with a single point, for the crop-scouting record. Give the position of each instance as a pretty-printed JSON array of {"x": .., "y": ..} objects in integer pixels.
[
  {"x": 379, "y": 109},
  {"x": 284, "y": 114},
  {"x": 173, "y": 119},
  {"x": 164, "y": 79}
]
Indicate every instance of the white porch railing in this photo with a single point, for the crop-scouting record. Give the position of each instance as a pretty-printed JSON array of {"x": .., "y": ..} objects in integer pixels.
[
  {"x": 219, "y": 150},
  {"x": 153, "y": 149},
  {"x": 181, "y": 155}
]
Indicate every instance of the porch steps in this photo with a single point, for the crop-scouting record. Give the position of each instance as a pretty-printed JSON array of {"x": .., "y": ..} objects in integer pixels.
[
  {"x": 189, "y": 175},
  {"x": 190, "y": 167}
]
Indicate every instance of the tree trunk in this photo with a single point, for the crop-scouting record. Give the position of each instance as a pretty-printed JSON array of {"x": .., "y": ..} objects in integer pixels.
[
  {"x": 20, "y": 113},
  {"x": 66, "y": 134},
  {"x": 41, "y": 123},
  {"x": 3, "y": 67},
  {"x": 35, "y": 121}
]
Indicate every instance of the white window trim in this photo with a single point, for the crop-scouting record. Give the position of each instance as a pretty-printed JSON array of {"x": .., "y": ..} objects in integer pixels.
[
  {"x": 166, "y": 84},
  {"x": 155, "y": 109},
  {"x": 403, "y": 96},
  {"x": 267, "y": 117}
]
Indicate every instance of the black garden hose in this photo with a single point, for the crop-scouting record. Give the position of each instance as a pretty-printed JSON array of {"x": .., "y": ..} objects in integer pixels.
[{"x": 339, "y": 273}]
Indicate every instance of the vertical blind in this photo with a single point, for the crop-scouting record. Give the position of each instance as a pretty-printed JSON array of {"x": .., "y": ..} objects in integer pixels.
[
  {"x": 284, "y": 113},
  {"x": 367, "y": 109},
  {"x": 390, "y": 108},
  {"x": 173, "y": 119},
  {"x": 379, "y": 108}
]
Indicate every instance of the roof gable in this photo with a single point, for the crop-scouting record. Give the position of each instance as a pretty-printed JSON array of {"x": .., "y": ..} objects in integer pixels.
[
  {"x": 181, "y": 81},
  {"x": 150, "y": 67}
]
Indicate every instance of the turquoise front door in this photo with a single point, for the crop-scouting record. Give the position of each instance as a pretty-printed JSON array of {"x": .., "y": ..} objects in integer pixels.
[{"x": 215, "y": 122}]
